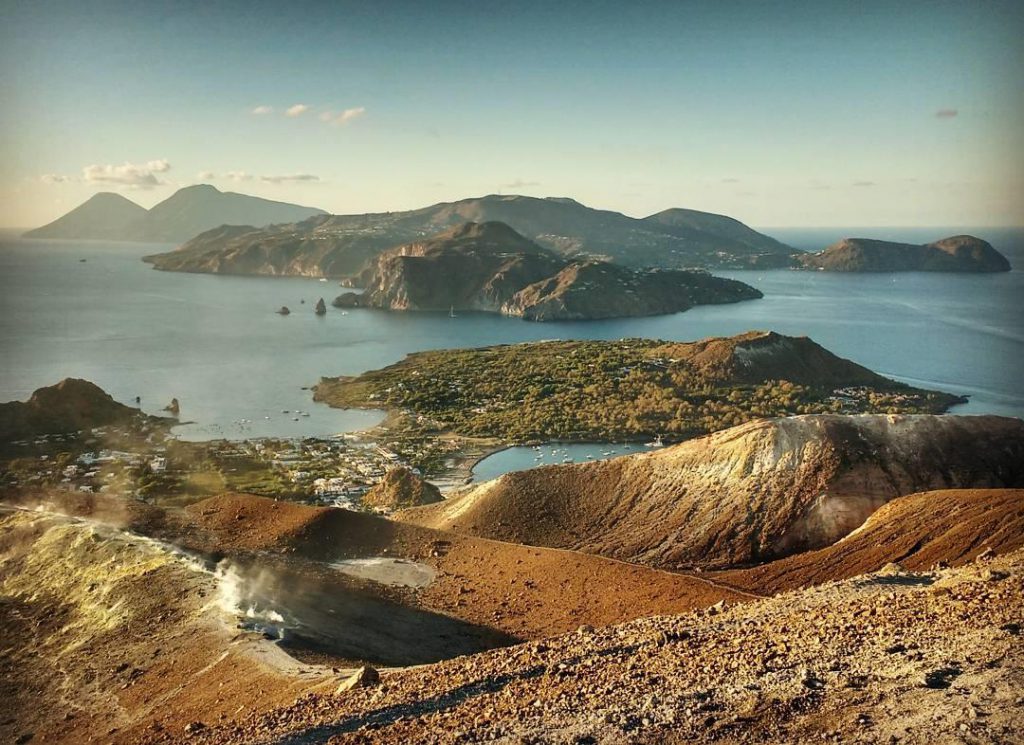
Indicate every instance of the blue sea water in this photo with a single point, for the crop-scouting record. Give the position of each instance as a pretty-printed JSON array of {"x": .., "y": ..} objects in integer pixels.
[{"x": 216, "y": 343}]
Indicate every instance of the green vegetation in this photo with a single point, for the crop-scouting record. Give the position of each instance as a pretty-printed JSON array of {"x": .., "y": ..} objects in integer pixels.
[{"x": 628, "y": 389}]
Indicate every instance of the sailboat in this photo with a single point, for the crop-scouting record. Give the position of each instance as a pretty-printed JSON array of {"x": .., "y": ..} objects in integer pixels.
[
  {"x": 656, "y": 444},
  {"x": 451, "y": 312}
]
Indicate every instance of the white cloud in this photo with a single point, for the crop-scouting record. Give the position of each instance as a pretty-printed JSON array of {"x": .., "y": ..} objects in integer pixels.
[
  {"x": 129, "y": 175},
  {"x": 262, "y": 110},
  {"x": 55, "y": 178},
  {"x": 206, "y": 175},
  {"x": 292, "y": 177},
  {"x": 348, "y": 115},
  {"x": 297, "y": 110},
  {"x": 520, "y": 184},
  {"x": 239, "y": 176}
]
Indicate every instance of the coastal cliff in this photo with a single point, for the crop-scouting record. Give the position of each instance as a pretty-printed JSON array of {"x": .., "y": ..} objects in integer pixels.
[{"x": 490, "y": 267}]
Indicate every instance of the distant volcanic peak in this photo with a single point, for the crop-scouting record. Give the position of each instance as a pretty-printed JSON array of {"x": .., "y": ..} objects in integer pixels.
[
  {"x": 199, "y": 189},
  {"x": 111, "y": 196},
  {"x": 187, "y": 213}
]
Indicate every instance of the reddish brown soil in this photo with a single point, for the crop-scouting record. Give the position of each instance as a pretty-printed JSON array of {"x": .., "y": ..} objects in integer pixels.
[
  {"x": 895, "y": 657},
  {"x": 523, "y": 591},
  {"x": 918, "y": 531}
]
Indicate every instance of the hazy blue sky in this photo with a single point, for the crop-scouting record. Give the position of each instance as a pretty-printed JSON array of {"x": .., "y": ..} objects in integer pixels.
[{"x": 780, "y": 114}]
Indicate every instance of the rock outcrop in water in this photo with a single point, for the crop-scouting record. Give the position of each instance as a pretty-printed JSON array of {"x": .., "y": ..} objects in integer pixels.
[
  {"x": 490, "y": 267},
  {"x": 752, "y": 493},
  {"x": 340, "y": 245},
  {"x": 960, "y": 253},
  {"x": 72, "y": 405}
]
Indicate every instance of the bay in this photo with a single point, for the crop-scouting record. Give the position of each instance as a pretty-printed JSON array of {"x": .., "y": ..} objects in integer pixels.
[{"x": 239, "y": 369}]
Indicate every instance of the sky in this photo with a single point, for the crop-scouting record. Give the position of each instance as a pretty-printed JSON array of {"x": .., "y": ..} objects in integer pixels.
[{"x": 776, "y": 113}]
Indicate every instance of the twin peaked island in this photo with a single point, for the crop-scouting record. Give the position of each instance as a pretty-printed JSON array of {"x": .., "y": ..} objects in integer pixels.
[{"x": 536, "y": 258}]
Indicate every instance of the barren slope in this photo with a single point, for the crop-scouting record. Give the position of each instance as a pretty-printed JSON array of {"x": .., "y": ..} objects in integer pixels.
[
  {"x": 756, "y": 492},
  {"x": 918, "y": 531},
  {"x": 891, "y": 657},
  {"x": 522, "y": 591}
]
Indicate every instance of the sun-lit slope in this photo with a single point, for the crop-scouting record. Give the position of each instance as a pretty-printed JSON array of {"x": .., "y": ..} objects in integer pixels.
[
  {"x": 763, "y": 490},
  {"x": 114, "y": 638},
  {"x": 918, "y": 531}
]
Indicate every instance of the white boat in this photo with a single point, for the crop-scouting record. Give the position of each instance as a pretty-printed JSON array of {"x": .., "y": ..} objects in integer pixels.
[
  {"x": 657, "y": 443},
  {"x": 451, "y": 312}
]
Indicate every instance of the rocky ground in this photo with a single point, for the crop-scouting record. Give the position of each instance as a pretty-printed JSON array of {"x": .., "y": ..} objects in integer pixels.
[
  {"x": 128, "y": 639},
  {"x": 893, "y": 656}
]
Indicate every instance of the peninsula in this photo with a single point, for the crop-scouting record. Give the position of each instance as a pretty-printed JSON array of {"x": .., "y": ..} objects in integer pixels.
[
  {"x": 490, "y": 267},
  {"x": 628, "y": 389}
]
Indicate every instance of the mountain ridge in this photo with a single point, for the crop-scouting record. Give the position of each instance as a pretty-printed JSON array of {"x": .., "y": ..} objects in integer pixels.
[
  {"x": 759, "y": 491},
  {"x": 340, "y": 245}
]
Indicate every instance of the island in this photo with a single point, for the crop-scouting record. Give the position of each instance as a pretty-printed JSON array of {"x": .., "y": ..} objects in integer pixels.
[
  {"x": 341, "y": 245},
  {"x": 631, "y": 389},
  {"x": 958, "y": 253},
  {"x": 186, "y": 213},
  {"x": 490, "y": 267}
]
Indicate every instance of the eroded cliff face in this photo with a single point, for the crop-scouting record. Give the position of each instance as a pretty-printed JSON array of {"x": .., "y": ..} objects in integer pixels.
[
  {"x": 751, "y": 493},
  {"x": 489, "y": 267}
]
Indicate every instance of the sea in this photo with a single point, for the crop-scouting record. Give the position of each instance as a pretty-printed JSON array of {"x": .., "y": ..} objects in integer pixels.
[{"x": 95, "y": 310}]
